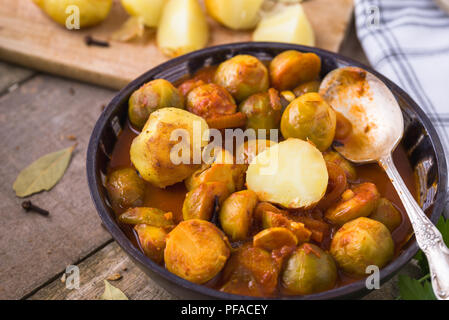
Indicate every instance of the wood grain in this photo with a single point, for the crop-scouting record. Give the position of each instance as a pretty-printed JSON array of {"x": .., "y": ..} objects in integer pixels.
[
  {"x": 35, "y": 119},
  {"x": 29, "y": 38},
  {"x": 108, "y": 261}
]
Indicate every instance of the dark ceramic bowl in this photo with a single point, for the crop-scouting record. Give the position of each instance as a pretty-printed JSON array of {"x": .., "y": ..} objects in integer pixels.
[{"x": 420, "y": 141}]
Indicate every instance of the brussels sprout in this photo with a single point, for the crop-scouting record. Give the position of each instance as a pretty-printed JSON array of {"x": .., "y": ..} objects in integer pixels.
[
  {"x": 150, "y": 216},
  {"x": 125, "y": 188},
  {"x": 348, "y": 168},
  {"x": 263, "y": 110},
  {"x": 361, "y": 243},
  {"x": 274, "y": 238},
  {"x": 291, "y": 68},
  {"x": 92, "y": 12},
  {"x": 151, "y": 96},
  {"x": 158, "y": 157},
  {"x": 386, "y": 213},
  {"x": 236, "y": 214},
  {"x": 210, "y": 101},
  {"x": 212, "y": 173},
  {"x": 309, "y": 117},
  {"x": 361, "y": 203},
  {"x": 242, "y": 76},
  {"x": 309, "y": 270},
  {"x": 251, "y": 271},
  {"x": 200, "y": 202},
  {"x": 152, "y": 241},
  {"x": 196, "y": 250},
  {"x": 306, "y": 87}
]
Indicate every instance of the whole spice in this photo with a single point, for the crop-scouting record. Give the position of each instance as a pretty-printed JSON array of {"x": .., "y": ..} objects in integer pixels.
[
  {"x": 94, "y": 42},
  {"x": 29, "y": 206}
]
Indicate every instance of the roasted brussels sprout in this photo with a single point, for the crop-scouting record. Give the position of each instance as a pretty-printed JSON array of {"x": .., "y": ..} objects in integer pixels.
[
  {"x": 263, "y": 110},
  {"x": 291, "y": 173},
  {"x": 247, "y": 151},
  {"x": 236, "y": 214},
  {"x": 386, "y": 213},
  {"x": 309, "y": 117},
  {"x": 92, "y": 12},
  {"x": 152, "y": 241},
  {"x": 291, "y": 68},
  {"x": 212, "y": 173},
  {"x": 210, "y": 101},
  {"x": 348, "y": 168},
  {"x": 150, "y": 216},
  {"x": 125, "y": 188},
  {"x": 252, "y": 272},
  {"x": 196, "y": 250},
  {"x": 151, "y": 96},
  {"x": 306, "y": 87},
  {"x": 188, "y": 85},
  {"x": 200, "y": 202},
  {"x": 274, "y": 238},
  {"x": 361, "y": 243},
  {"x": 361, "y": 203},
  {"x": 242, "y": 76},
  {"x": 309, "y": 270},
  {"x": 162, "y": 160}
]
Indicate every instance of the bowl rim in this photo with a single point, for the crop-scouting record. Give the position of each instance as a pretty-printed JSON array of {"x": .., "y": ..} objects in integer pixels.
[{"x": 234, "y": 48}]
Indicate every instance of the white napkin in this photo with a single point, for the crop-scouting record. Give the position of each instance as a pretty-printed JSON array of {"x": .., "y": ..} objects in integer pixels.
[{"x": 408, "y": 42}]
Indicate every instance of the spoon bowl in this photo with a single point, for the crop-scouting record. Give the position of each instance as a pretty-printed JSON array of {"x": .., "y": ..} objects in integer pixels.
[{"x": 377, "y": 128}]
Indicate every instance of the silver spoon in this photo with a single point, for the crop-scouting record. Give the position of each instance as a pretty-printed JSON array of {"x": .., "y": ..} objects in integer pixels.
[{"x": 377, "y": 128}]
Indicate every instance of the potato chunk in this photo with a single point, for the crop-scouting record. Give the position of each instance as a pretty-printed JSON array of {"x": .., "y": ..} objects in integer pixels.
[
  {"x": 235, "y": 14},
  {"x": 182, "y": 28},
  {"x": 291, "y": 173},
  {"x": 236, "y": 214},
  {"x": 158, "y": 154},
  {"x": 152, "y": 241},
  {"x": 196, "y": 250}
]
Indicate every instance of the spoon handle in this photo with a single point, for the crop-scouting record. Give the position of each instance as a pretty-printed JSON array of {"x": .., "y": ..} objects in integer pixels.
[{"x": 427, "y": 235}]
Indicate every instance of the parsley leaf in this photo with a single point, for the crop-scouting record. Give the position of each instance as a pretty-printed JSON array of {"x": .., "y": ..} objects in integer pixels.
[{"x": 412, "y": 289}]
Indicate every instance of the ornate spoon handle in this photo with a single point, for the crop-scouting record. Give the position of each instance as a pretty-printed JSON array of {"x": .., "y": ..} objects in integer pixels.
[{"x": 427, "y": 235}]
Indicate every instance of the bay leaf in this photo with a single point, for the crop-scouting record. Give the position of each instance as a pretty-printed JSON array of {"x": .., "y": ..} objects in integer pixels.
[
  {"x": 112, "y": 293},
  {"x": 43, "y": 174}
]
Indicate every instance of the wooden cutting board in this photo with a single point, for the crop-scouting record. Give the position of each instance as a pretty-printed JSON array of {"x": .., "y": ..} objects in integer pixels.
[{"x": 28, "y": 37}]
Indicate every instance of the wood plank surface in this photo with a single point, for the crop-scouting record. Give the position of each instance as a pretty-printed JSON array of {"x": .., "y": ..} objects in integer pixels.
[
  {"x": 29, "y": 38},
  {"x": 41, "y": 116}
]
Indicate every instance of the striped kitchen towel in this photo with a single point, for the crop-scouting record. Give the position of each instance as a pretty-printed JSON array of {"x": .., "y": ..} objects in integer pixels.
[{"x": 408, "y": 41}]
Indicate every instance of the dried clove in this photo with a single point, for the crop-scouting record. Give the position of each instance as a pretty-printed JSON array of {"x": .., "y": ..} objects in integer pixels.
[
  {"x": 29, "y": 206},
  {"x": 90, "y": 41}
]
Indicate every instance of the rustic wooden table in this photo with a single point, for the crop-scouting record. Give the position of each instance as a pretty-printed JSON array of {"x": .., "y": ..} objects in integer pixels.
[{"x": 40, "y": 113}]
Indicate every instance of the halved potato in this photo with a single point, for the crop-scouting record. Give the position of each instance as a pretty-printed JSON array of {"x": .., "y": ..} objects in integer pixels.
[
  {"x": 289, "y": 24},
  {"x": 158, "y": 154},
  {"x": 291, "y": 173}
]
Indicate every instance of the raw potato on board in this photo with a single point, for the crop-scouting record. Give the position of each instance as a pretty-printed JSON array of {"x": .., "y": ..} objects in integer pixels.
[
  {"x": 235, "y": 14},
  {"x": 91, "y": 12},
  {"x": 149, "y": 10},
  {"x": 183, "y": 28}
]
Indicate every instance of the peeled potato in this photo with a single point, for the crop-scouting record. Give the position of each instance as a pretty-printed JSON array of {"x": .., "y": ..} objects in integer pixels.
[
  {"x": 291, "y": 173},
  {"x": 235, "y": 14},
  {"x": 289, "y": 24},
  {"x": 154, "y": 150},
  {"x": 149, "y": 10},
  {"x": 92, "y": 12},
  {"x": 183, "y": 28}
]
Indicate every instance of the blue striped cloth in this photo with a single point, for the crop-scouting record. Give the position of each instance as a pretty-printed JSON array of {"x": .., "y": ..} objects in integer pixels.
[{"x": 408, "y": 41}]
